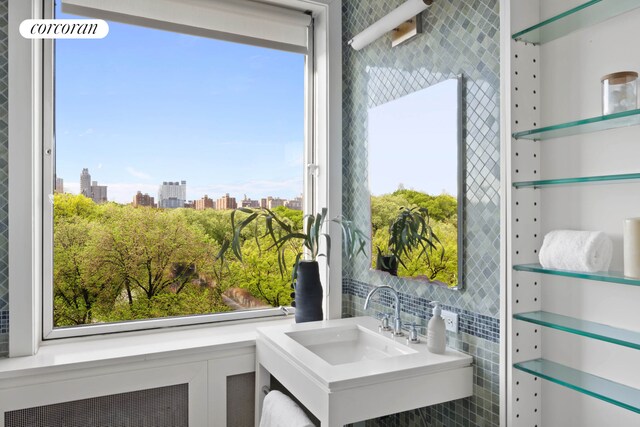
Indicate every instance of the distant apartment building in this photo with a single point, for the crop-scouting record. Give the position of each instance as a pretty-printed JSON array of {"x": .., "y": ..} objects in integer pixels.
[
  {"x": 248, "y": 203},
  {"x": 294, "y": 203},
  {"x": 172, "y": 195},
  {"x": 263, "y": 203},
  {"x": 274, "y": 202},
  {"x": 91, "y": 189},
  {"x": 226, "y": 202},
  {"x": 205, "y": 203},
  {"x": 59, "y": 186},
  {"x": 85, "y": 183},
  {"x": 98, "y": 192},
  {"x": 143, "y": 200}
]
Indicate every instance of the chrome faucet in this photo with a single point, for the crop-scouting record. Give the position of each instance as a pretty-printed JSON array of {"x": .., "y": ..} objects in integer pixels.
[{"x": 397, "y": 323}]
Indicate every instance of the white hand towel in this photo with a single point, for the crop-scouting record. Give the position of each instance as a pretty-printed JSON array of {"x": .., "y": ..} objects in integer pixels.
[
  {"x": 588, "y": 251},
  {"x": 278, "y": 410}
]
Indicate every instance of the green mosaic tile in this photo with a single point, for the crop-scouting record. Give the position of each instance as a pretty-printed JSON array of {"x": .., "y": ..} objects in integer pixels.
[
  {"x": 460, "y": 37},
  {"x": 4, "y": 170}
]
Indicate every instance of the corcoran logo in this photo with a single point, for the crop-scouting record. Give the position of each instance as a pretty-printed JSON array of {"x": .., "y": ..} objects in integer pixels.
[{"x": 64, "y": 28}]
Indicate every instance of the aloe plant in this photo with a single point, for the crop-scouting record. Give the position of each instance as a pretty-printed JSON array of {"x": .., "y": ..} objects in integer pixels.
[
  {"x": 354, "y": 241},
  {"x": 410, "y": 231}
]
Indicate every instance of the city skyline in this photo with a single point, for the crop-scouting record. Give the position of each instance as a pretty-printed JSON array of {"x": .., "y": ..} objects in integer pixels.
[
  {"x": 225, "y": 117},
  {"x": 90, "y": 188}
]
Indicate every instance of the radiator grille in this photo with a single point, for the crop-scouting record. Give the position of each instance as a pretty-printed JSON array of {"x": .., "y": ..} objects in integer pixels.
[
  {"x": 241, "y": 400},
  {"x": 157, "y": 407}
]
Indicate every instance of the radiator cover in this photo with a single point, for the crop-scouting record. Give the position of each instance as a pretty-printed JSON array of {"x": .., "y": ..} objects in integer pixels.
[{"x": 157, "y": 407}]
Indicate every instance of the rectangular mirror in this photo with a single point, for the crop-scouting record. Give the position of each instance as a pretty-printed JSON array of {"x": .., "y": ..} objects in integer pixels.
[{"x": 416, "y": 183}]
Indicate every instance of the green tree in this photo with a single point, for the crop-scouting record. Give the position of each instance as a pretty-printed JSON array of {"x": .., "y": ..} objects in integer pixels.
[
  {"x": 443, "y": 212},
  {"x": 115, "y": 262},
  {"x": 294, "y": 216},
  {"x": 82, "y": 284},
  {"x": 442, "y": 208},
  {"x": 260, "y": 273},
  {"x": 192, "y": 300},
  {"x": 217, "y": 227},
  {"x": 74, "y": 205},
  {"x": 145, "y": 247}
]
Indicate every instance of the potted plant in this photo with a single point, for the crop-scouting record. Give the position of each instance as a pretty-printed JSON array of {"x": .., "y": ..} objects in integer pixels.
[
  {"x": 305, "y": 273},
  {"x": 409, "y": 231}
]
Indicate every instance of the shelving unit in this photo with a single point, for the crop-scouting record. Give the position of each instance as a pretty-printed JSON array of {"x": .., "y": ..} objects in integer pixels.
[
  {"x": 579, "y": 127},
  {"x": 600, "y": 276},
  {"x": 527, "y": 278},
  {"x": 600, "y": 388},
  {"x": 578, "y": 180},
  {"x": 590, "y": 13},
  {"x": 583, "y": 328}
]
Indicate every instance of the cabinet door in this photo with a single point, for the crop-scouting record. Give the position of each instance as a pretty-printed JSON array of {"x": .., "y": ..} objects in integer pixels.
[
  {"x": 100, "y": 399},
  {"x": 232, "y": 391}
]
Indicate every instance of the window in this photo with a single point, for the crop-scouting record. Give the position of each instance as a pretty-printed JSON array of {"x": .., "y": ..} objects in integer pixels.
[
  {"x": 30, "y": 138},
  {"x": 156, "y": 136}
]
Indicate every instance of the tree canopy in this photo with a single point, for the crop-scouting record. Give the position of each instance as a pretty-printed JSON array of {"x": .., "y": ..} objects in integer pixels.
[
  {"x": 442, "y": 266},
  {"x": 118, "y": 262}
]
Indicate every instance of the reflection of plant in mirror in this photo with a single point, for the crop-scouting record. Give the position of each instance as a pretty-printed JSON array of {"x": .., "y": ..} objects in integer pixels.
[
  {"x": 411, "y": 231},
  {"x": 424, "y": 238}
]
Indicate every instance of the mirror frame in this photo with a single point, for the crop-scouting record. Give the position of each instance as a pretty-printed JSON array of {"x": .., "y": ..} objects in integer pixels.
[{"x": 462, "y": 169}]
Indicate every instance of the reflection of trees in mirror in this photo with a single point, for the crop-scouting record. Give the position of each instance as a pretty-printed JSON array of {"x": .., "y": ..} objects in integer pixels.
[
  {"x": 423, "y": 237},
  {"x": 116, "y": 263}
]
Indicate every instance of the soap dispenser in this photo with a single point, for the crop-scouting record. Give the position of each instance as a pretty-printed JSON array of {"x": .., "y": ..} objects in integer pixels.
[{"x": 436, "y": 331}]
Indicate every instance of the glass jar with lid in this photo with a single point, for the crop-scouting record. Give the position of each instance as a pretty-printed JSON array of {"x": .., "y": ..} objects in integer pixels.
[{"x": 619, "y": 92}]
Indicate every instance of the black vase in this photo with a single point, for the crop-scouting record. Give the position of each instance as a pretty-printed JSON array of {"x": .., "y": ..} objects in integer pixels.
[
  {"x": 388, "y": 263},
  {"x": 309, "y": 292}
]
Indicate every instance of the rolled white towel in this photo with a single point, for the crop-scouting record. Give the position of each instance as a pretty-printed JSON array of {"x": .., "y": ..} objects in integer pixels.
[
  {"x": 278, "y": 410},
  {"x": 588, "y": 251}
]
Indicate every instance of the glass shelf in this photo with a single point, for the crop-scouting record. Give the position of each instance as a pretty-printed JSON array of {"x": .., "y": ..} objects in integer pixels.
[
  {"x": 585, "y": 15},
  {"x": 580, "y": 127},
  {"x": 600, "y": 388},
  {"x": 584, "y": 328},
  {"x": 581, "y": 180},
  {"x": 602, "y": 276}
]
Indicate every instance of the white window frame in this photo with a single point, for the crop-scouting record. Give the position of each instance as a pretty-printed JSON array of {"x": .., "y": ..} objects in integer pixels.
[{"x": 28, "y": 145}]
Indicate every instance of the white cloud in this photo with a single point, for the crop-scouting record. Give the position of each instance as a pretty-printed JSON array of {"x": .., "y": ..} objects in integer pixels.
[
  {"x": 138, "y": 174},
  {"x": 72, "y": 187}
]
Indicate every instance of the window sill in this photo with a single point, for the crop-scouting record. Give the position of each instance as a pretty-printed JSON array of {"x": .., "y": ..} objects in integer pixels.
[{"x": 105, "y": 350}]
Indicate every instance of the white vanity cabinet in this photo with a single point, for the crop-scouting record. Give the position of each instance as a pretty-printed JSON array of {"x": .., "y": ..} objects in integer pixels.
[{"x": 345, "y": 370}]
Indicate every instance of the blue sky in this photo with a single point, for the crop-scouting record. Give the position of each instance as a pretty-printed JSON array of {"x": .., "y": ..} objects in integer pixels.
[
  {"x": 143, "y": 106},
  {"x": 422, "y": 128}
]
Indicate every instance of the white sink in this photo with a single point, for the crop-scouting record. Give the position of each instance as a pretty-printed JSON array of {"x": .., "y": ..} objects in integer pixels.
[
  {"x": 348, "y": 344},
  {"x": 346, "y": 370}
]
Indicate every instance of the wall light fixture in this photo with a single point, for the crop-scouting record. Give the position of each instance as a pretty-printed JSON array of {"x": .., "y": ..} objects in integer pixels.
[{"x": 404, "y": 22}]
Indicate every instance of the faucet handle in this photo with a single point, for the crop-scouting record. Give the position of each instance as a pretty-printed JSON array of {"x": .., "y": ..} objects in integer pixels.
[
  {"x": 413, "y": 334},
  {"x": 384, "y": 322}
]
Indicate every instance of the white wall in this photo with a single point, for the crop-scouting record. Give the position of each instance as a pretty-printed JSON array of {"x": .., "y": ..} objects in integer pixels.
[{"x": 570, "y": 72}]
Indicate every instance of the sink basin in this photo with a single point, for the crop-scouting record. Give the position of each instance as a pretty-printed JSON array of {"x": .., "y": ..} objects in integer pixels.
[
  {"x": 348, "y": 344},
  {"x": 346, "y": 370}
]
